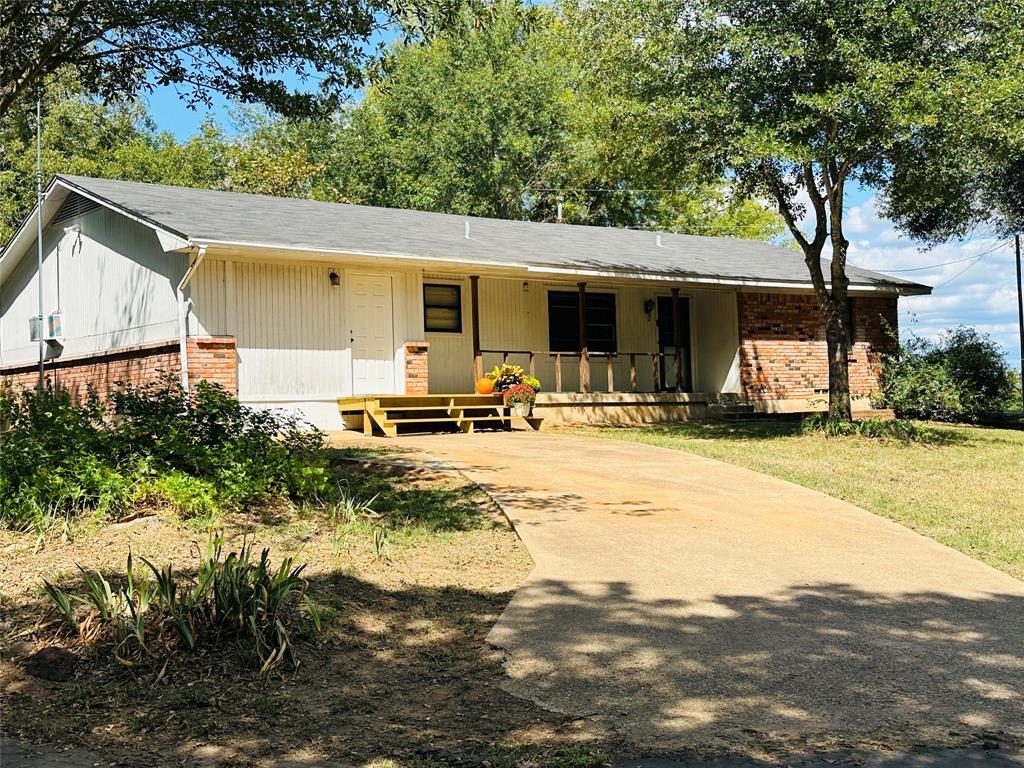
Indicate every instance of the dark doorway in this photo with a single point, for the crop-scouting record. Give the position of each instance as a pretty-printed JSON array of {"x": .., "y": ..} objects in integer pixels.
[{"x": 667, "y": 342}]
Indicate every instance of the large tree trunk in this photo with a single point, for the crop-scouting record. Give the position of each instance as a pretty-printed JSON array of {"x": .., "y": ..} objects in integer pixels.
[
  {"x": 833, "y": 299},
  {"x": 836, "y": 337}
]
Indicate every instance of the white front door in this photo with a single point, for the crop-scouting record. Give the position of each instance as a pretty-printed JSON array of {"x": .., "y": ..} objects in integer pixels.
[{"x": 372, "y": 333}]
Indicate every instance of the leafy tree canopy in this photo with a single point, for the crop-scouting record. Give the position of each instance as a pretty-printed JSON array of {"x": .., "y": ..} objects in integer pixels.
[
  {"x": 492, "y": 117},
  {"x": 235, "y": 47},
  {"x": 495, "y": 117},
  {"x": 798, "y": 99}
]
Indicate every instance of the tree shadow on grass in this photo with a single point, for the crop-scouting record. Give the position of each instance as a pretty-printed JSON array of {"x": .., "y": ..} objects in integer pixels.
[
  {"x": 410, "y": 495},
  {"x": 403, "y": 673},
  {"x": 408, "y": 673},
  {"x": 764, "y": 430}
]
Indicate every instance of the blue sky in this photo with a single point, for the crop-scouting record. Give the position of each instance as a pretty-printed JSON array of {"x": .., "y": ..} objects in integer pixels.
[{"x": 974, "y": 281}]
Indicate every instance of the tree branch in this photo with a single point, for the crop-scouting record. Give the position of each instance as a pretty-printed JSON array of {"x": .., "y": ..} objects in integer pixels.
[{"x": 775, "y": 185}]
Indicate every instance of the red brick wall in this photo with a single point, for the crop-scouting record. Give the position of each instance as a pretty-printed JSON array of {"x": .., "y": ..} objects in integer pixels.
[
  {"x": 783, "y": 351},
  {"x": 416, "y": 375},
  {"x": 213, "y": 359}
]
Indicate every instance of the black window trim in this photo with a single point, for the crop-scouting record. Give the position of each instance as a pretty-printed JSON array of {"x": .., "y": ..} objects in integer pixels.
[
  {"x": 614, "y": 306},
  {"x": 458, "y": 306}
]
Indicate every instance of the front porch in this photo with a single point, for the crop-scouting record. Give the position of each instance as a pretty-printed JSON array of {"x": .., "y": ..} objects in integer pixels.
[
  {"x": 391, "y": 415},
  {"x": 609, "y": 336}
]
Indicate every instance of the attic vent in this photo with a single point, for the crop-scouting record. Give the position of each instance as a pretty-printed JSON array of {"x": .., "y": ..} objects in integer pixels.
[{"x": 74, "y": 205}]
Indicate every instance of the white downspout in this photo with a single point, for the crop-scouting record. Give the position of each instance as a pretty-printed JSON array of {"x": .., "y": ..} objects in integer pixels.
[{"x": 183, "y": 315}]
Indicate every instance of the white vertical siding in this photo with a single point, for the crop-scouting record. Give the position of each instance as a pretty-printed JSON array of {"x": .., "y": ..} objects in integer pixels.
[
  {"x": 291, "y": 325},
  {"x": 289, "y": 322},
  {"x": 716, "y": 337},
  {"x": 450, "y": 357},
  {"x": 116, "y": 287}
]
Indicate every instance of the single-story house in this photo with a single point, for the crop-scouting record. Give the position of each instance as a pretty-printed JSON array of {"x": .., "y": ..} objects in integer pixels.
[{"x": 297, "y": 303}]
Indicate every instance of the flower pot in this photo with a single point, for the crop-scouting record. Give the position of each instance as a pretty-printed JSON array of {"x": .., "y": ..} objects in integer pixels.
[
  {"x": 521, "y": 409},
  {"x": 484, "y": 386}
]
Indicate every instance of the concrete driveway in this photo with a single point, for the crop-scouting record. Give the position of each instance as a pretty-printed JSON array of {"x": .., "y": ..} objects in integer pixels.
[{"x": 683, "y": 601}]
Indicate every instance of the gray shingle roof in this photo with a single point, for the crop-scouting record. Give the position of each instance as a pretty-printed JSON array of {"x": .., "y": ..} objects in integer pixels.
[{"x": 206, "y": 215}]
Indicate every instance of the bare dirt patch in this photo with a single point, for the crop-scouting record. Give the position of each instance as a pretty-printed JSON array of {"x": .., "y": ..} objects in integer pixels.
[{"x": 402, "y": 670}]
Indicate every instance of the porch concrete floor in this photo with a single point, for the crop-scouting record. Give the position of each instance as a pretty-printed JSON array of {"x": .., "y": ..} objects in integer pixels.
[{"x": 684, "y": 601}]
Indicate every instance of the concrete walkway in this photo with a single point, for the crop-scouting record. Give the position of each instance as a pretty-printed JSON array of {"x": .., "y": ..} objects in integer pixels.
[{"x": 684, "y": 601}]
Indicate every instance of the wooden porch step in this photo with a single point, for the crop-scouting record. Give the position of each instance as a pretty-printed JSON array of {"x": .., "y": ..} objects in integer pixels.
[
  {"x": 443, "y": 420},
  {"x": 436, "y": 402},
  {"x": 439, "y": 407}
]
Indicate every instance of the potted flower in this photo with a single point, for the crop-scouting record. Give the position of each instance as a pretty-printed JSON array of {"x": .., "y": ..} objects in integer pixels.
[
  {"x": 507, "y": 375},
  {"x": 521, "y": 398}
]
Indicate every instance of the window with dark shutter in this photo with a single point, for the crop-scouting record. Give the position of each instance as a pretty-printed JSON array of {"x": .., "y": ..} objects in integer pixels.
[
  {"x": 442, "y": 308},
  {"x": 564, "y": 322}
]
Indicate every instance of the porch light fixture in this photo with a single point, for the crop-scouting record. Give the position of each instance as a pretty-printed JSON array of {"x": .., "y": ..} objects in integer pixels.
[
  {"x": 648, "y": 306},
  {"x": 526, "y": 285},
  {"x": 335, "y": 279}
]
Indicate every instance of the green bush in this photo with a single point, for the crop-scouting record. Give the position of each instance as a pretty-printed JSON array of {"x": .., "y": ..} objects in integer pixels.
[
  {"x": 892, "y": 429},
  {"x": 962, "y": 377},
  {"x": 246, "y": 453},
  {"x": 237, "y": 598},
  {"x": 194, "y": 452},
  {"x": 190, "y": 497}
]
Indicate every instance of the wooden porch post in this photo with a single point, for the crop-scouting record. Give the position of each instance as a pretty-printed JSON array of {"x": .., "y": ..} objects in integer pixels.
[
  {"x": 478, "y": 358},
  {"x": 584, "y": 352},
  {"x": 677, "y": 333}
]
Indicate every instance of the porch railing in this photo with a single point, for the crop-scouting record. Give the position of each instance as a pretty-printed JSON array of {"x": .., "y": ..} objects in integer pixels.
[{"x": 656, "y": 361}]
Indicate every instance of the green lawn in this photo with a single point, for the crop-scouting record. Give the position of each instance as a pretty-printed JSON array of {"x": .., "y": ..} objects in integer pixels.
[{"x": 966, "y": 491}]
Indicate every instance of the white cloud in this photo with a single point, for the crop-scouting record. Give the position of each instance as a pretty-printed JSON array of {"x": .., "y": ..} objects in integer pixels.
[{"x": 981, "y": 293}]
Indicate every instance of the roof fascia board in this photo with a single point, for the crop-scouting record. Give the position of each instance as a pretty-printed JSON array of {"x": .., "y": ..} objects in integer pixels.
[
  {"x": 170, "y": 240},
  {"x": 355, "y": 252},
  {"x": 29, "y": 219},
  {"x": 540, "y": 269},
  {"x": 738, "y": 282},
  {"x": 169, "y": 235}
]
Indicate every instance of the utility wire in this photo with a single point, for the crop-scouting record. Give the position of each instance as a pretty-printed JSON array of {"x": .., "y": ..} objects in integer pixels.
[
  {"x": 933, "y": 266},
  {"x": 975, "y": 260}
]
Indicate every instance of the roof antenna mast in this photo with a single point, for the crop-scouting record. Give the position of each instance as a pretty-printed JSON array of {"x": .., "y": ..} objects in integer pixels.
[{"x": 39, "y": 231}]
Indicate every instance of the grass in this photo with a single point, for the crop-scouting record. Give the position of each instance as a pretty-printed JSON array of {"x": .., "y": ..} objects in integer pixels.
[{"x": 963, "y": 489}]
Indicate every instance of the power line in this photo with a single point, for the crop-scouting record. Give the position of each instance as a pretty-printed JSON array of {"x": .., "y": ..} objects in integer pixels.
[
  {"x": 933, "y": 266},
  {"x": 995, "y": 247},
  {"x": 974, "y": 261}
]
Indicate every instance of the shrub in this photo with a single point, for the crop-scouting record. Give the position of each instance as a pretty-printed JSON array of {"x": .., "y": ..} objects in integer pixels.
[
  {"x": 893, "y": 429},
  {"x": 245, "y": 452},
  {"x": 962, "y": 377},
  {"x": 237, "y": 598},
  {"x": 189, "y": 497},
  {"x": 52, "y": 458},
  {"x": 194, "y": 452}
]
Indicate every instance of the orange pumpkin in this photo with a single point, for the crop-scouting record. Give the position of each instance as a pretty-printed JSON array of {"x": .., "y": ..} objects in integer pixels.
[{"x": 484, "y": 386}]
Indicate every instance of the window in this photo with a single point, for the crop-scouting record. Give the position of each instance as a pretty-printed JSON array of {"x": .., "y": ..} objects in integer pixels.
[
  {"x": 442, "y": 308},
  {"x": 564, "y": 321},
  {"x": 851, "y": 325}
]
